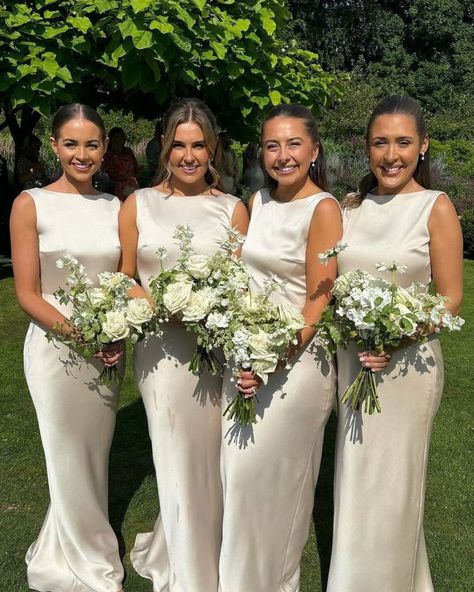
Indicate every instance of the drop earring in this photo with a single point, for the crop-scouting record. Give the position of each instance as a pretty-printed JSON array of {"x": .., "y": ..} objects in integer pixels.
[{"x": 422, "y": 156}]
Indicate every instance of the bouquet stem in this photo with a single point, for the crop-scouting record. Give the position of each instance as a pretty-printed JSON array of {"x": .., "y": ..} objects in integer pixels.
[
  {"x": 204, "y": 360},
  {"x": 242, "y": 410},
  {"x": 109, "y": 375},
  {"x": 363, "y": 391}
]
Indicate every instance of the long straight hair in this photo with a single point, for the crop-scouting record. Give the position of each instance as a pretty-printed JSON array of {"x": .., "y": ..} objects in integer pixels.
[
  {"x": 394, "y": 104},
  {"x": 185, "y": 111},
  {"x": 316, "y": 172}
]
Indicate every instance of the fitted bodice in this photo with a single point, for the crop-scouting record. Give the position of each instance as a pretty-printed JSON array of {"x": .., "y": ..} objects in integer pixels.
[
  {"x": 158, "y": 214},
  {"x": 387, "y": 228},
  {"x": 276, "y": 242},
  {"x": 86, "y": 226}
]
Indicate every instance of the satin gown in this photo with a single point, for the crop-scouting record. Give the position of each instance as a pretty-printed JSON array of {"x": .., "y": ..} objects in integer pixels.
[
  {"x": 76, "y": 550},
  {"x": 381, "y": 459},
  {"x": 183, "y": 410},
  {"x": 269, "y": 470}
]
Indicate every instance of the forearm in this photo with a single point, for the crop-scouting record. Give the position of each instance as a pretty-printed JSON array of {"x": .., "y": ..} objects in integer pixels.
[{"x": 44, "y": 313}]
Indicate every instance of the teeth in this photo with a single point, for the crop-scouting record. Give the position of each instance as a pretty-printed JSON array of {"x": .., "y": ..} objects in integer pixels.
[{"x": 286, "y": 169}]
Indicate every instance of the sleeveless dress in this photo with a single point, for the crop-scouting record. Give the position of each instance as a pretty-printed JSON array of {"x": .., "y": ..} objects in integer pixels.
[
  {"x": 381, "y": 459},
  {"x": 183, "y": 410},
  {"x": 269, "y": 470},
  {"x": 76, "y": 550}
]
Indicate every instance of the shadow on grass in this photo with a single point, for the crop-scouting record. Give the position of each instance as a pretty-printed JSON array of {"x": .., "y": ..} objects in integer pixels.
[
  {"x": 323, "y": 501},
  {"x": 130, "y": 463}
]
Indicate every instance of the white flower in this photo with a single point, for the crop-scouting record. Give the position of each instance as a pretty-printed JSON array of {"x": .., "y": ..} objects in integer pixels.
[
  {"x": 198, "y": 266},
  {"x": 264, "y": 365},
  {"x": 333, "y": 252},
  {"x": 218, "y": 320},
  {"x": 139, "y": 311},
  {"x": 198, "y": 306},
  {"x": 393, "y": 266},
  {"x": 259, "y": 343},
  {"x": 114, "y": 279},
  {"x": 115, "y": 325},
  {"x": 97, "y": 296},
  {"x": 291, "y": 316},
  {"x": 177, "y": 295},
  {"x": 250, "y": 302}
]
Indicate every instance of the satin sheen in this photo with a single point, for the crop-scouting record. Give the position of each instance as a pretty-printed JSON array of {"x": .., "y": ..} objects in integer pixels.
[
  {"x": 381, "y": 460},
  {"x": 183, "y": 410},
  {"x": 76, "y": 550},
  {"x": 269, "y": 471}
]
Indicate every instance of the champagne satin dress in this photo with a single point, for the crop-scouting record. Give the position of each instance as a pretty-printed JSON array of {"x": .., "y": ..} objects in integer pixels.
[
  {"x": 183, "y": 410},
  {"x": 381, "y": 459},
  {"x": 76, "y": 550},
  {"x": 270, "y": 470}
]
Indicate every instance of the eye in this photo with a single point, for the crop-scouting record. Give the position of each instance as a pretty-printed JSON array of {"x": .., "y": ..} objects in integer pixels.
[
  {"x": 378, "y": 142},
  {"x": 271, "y": 147},
  {"x": 200, "y": 145},
  {"x": 295, "y": 144}
]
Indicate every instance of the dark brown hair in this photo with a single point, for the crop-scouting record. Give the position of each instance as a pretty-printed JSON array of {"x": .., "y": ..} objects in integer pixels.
[
  {"x": 76, "y": 111},
  {"x": 407, "y": 106},
  {"x": 317, "y": 173}
]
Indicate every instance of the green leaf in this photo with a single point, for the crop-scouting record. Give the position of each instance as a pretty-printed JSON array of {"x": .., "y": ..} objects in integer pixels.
[
  {"x": 140, "y": 5},
  {"x": 275, "y": 97},
  {"x": 162, "y": 26},
  {"x": 64, "y": 74},
  {"x": 219, "y": 48},
  {"x": 241, "y": 25},
  {"x": 51, "y": 32},
  {"x": 200, "y": 3},
  {"x": 131, "y": 74},
  {"x": 268, "y": 24},
  {"x": 127, "y": 28},
  {"x": 81, "y": 23},
  {"x": 142, "y": 39},
  {"x": 234, "y": 69}
]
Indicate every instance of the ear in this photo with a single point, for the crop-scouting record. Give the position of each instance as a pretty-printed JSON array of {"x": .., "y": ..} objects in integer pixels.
[
  {"x": 162, "y": 139},
  {"x": 54, "y": 145},
  {"x": 106, "y": 143},
  {"x": 315, "y": 153},
  {"x": 425, "y": 144}
]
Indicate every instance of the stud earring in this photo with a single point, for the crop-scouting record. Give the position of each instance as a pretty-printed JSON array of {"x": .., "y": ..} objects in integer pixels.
[
  {"x": 422, "y": 156},
  {"x": 313, "y": 164}
]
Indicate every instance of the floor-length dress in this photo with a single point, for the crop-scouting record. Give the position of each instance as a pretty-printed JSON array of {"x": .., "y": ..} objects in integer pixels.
[
  {"x": 183, "y": 410},
  {"x": 269, "y": 470},
  {"x": 76, "y": 550},
  {"x": 381, "y": 459}
]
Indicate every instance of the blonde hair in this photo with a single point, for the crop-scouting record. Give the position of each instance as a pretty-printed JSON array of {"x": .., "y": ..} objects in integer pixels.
[{"x": 185, "y": 111}]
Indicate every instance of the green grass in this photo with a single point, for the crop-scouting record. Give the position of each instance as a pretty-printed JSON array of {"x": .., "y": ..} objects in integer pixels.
[{"x": 133, "y": 503}]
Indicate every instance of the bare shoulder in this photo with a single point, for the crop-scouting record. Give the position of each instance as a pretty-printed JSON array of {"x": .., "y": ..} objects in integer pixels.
[
  {"x": 443, "y": 209},
  {"x": 24, "y": 203},
  {"x": 326, "y": 209}
]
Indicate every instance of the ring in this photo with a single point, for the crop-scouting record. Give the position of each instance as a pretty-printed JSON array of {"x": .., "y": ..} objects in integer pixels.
[{"x": 254, "y": 390}]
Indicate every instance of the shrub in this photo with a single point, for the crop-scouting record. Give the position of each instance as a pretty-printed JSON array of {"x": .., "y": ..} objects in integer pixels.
[{"x": 467, "y": 224}]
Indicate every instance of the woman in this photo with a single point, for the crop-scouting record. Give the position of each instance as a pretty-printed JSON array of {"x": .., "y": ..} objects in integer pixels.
[
  {"x": 270, "y": 471},
  {"x": 183, "y": 410},
  {"x": 120, "y": 164},
  {"x": 76, "y": 550},
  {"x": 381, "y": 459}
]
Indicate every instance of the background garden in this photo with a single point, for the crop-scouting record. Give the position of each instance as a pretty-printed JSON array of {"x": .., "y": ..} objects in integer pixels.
[{"x": 130, "y": 58}]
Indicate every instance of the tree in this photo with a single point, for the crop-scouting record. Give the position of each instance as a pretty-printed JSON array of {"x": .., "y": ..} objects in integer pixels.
[{"x": 139, "y": 54}]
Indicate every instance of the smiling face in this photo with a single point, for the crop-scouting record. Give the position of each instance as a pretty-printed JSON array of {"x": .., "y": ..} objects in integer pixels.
[
  {"x": 288, "y": 150},
  {"x": 394, "y": 148},
  {"x": 189, "y": 158},
  {"x": 80, "y": 147}
]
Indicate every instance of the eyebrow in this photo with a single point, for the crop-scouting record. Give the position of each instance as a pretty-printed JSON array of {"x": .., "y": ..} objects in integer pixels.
[
  {"x": 398, "y": 138},
  {"x": 289, "y": 139},
  {"x": 87, "y": 141},
  {"x": 203, "y": 141}
]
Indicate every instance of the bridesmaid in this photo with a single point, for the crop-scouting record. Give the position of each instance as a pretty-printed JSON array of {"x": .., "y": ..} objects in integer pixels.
[
  {"x": 183, "y": 410},
  {"x": 381, "y": 459},
  {"x": 269, "y": 471},
  {"x": 76, "y": 550}
]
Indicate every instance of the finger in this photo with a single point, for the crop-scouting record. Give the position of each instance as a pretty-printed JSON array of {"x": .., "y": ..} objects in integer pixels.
[
  {"x": 244, "y": 384},
  {"x": 249, "y": 392},
  {"x": 246, "y": 374}
]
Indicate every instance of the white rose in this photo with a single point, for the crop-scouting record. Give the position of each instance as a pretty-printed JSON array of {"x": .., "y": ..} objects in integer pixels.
[
  {"x": 344, "y": 283},
  {"x": 139, "y": 311},
  {"x": 215, "y": 319},
  {"x": 198, "y": 266},
  {"x": 263, "y": 366},
  {"x": 291, "y": 316},
  {"x": 199, "y": 305},
  {"x": 115, "y": 325},
  {"x": 259, "y": 343},
  {"x": 250, "y": 302},
  {"x": 176, "y": 296},
  {"x": 96, "y": 296}
]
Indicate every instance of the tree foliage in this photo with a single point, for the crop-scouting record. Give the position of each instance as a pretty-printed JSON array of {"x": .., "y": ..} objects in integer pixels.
[{"x": 139, "y": 54}]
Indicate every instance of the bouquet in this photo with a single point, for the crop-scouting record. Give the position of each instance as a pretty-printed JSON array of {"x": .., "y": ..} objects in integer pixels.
[
  {"x": 196, "y": 291},
  {"x": 257, "y": 337},
  {"x": 378, "y": 314},
  {"x": 100, "y": 315}
]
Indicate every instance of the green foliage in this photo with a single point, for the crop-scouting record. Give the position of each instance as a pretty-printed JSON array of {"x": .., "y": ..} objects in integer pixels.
[
  {"x": 93, "y": 50},
  {"x": 467, "y": 224}
]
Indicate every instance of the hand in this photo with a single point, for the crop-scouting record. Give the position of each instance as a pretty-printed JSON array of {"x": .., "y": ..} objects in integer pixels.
[
  {"x": 375, "y": 361},
  {"x": 110, "y": 354},
  {"x": 248, "y": 383}
]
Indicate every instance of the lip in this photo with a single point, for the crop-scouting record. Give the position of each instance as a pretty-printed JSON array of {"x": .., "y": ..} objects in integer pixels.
[
  {"x": 391, "y": 171},
  {"x": 189, "y": 169},
  {"x": 286, "y": 170},
  {"x": 82, "y": 167}
]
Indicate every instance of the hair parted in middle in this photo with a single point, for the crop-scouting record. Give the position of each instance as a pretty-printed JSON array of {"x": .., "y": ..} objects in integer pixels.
[
  {"x": 185, "y": 111},
  {"x": 317, "y": 173}
]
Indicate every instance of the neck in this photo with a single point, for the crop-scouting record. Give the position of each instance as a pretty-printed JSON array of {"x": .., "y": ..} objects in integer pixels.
[
  {"x": 410, "y": 187},
  {"x": 66, "y": 184},
  {"x": 295, "y": 191},
  {"x": 198, "y": 188}
]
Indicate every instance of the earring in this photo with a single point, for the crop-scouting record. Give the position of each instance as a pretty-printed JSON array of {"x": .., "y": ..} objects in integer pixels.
[
  {"x": 313, "y": 164},
  {"x": 57, "y": 158},
  {"x": 422, "y": 156}
]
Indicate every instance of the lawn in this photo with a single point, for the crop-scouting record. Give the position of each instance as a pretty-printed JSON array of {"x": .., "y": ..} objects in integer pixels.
[{"x": 133, "y": 506}]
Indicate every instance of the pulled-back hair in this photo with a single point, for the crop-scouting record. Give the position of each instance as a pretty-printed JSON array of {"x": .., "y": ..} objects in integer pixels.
[
  {"x": 76, "y": 111},
  {"x": 317, "y": 173},
  {"x": 405, "y": 105},
  {"x": 185, "y": 111}
]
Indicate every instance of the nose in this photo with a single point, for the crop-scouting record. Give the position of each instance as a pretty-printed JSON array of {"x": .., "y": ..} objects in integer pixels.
[
  {"x": 81, "y": 153},
  {"x": 188, "y": 154},
  {"x": 391, "y": 152},
  {"x": 282, "y": 154}
]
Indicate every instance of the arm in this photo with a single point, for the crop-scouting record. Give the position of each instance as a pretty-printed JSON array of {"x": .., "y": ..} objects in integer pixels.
[
  {"x": 26, "y": 265},
  {"x": 128, "y": 233},
  {"x": 240, "y": 220},
  {"x": 446, "y": 252}
]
